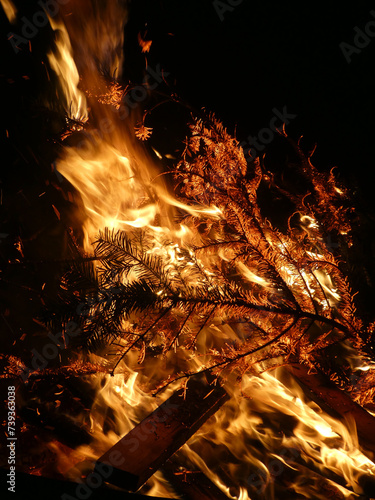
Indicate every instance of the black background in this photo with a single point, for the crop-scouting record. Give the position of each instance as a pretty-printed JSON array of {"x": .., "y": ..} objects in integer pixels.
[{"x": 261, "y": 55}]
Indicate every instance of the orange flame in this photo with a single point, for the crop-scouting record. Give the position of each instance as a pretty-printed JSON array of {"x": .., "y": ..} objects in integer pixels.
[{"x": 10, "y": 10}]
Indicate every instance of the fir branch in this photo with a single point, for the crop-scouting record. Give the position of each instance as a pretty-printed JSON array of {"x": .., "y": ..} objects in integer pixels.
[{"x": 238, "y": 268}]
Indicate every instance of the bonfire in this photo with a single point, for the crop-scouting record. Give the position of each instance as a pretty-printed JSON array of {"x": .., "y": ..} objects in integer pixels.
[{"x": 209, "y": 342}]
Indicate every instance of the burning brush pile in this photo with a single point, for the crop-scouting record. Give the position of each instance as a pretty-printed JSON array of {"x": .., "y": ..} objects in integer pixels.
[{"x": 218, "y": 340}]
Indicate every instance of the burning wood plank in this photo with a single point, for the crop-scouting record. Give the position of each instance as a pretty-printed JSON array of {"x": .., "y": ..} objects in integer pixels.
[
  {"x": 149, "y": 445},
  {"x": 333, "y": 400}
]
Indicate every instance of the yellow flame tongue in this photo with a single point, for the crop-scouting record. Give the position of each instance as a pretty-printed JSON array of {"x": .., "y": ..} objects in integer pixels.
[
  {"x": 111, "y": 189},
  {"x": 62, "y": 62},
  {"x": 10, "y": 10}
]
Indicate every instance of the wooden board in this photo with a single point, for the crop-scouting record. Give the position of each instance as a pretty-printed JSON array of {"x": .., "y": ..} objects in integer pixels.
[{"x": 149, "y": 445}]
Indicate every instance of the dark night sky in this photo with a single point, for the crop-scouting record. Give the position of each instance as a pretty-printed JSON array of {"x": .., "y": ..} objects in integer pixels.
[
  {"x": 266, "y": 55},
  {"x": 258, "y": 56}
]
